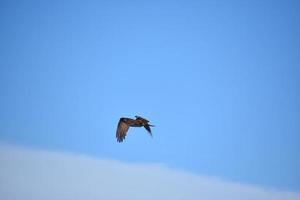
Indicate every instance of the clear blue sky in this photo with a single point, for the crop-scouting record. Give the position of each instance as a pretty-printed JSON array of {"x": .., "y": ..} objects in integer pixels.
[{"x": 219, "y": 79}]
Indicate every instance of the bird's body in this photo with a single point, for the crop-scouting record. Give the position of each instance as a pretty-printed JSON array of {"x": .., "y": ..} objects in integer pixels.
[{"x": 125, "y": 123}]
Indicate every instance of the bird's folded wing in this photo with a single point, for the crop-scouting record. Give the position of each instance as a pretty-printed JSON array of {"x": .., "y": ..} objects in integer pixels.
[{"x": 121, "y": 130}]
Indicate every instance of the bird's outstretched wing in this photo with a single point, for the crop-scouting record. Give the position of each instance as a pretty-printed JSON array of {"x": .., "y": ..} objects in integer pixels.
[{"x": 121, "y": 130}]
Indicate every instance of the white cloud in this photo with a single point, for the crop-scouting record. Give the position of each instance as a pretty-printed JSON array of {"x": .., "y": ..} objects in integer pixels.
[{"x": 34, "y": 175}]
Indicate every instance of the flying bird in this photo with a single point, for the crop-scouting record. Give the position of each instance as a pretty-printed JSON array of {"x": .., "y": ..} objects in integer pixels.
[{"x": 125, "y": 123}]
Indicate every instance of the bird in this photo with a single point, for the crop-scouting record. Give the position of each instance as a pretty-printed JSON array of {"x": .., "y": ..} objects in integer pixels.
[{"x": 125, "y": 123}]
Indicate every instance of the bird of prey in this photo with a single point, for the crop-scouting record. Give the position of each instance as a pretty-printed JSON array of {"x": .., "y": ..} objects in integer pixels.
[{"x": 125, "y": 123}]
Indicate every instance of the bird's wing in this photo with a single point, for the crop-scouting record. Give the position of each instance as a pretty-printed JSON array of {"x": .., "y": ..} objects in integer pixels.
[
  {"x": 147, "y": 127},
  {"x": 121, "y": 130}
]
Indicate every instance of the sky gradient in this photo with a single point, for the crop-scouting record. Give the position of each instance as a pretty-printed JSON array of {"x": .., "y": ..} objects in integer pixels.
[{"x": 219, "y": 80}]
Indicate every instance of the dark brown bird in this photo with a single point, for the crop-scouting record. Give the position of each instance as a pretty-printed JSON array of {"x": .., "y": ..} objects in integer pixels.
[{"x": 125, "y": 123}]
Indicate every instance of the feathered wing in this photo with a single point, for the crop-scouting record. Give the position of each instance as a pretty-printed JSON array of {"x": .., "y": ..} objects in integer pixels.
[
  {"x": 121, "y": 130},
  {"x": 147, "y": 127}
]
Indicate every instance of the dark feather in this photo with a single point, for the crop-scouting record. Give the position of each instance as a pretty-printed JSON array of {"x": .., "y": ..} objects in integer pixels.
[
  {"x": 147, "y": 127},
  {"x": 121, "y": 130}
]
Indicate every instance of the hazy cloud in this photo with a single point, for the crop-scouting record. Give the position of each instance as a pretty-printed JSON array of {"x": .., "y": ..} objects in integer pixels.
[{"x": 27, "y": 174}]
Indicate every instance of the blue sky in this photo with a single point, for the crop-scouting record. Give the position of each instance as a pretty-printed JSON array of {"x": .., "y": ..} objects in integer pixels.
[{"x": 220, "y": 80}]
